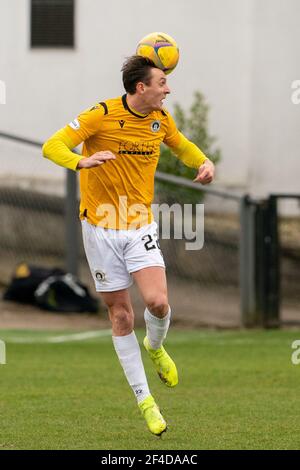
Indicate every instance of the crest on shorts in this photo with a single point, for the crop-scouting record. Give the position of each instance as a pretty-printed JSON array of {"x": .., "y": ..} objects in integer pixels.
[
  {"x": 155, "y": 126},
  {"x": 99, "y": 275}
]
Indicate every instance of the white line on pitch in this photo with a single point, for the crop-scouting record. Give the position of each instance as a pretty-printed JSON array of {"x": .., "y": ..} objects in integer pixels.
[{"x": 59, "y": 339}]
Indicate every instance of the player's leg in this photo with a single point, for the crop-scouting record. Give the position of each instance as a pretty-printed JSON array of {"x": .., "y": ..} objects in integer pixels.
[
  {"x": 125, "y": 342},
  {"x": 152, "y": 284},
  {"x": 145, "y": 262},
  {"x": 104, "y": 251},
  {"x": 153, "y": 287},
  {"x": 129, "y": 354},
  {"x": 120, "y": 311}
]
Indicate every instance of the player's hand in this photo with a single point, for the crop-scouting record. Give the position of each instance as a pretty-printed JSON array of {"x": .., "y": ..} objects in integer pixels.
[
  {"x": 96, "y": 159},
  {"x": 205, "y": 173}
]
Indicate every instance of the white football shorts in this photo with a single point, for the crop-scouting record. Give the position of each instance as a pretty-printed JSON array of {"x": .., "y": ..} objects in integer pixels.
[{"x": 114, "y": 254}]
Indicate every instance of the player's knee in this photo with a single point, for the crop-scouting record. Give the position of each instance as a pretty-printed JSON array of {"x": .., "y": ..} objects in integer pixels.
[
  {"x": 158, "y": 305},
  {"x": 121, "y": 317}
]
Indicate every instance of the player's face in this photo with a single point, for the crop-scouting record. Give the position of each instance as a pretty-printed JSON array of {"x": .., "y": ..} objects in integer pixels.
[{"x": 157, "y": 91}]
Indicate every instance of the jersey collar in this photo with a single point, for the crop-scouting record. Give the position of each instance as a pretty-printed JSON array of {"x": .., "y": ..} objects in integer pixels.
[{"x": 135, "y": 113}]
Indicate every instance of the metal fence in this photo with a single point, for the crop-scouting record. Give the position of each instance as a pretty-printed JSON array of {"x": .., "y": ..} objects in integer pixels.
[
  {"x": 205, "y": 284},
  {"x": 288, "y": 258},
  {"x": 38, "y": 227},
  {"x": 245, "y": 274}
]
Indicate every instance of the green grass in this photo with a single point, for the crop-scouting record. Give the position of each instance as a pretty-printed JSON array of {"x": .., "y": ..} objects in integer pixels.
[{"x": 237, "y": 390}]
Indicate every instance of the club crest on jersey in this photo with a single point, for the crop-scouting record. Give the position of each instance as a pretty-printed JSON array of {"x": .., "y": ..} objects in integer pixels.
[
  {"x": 99, "y": 275},
  {"x": 75, "y": 124},
  {"x": 155, "y": 126}
]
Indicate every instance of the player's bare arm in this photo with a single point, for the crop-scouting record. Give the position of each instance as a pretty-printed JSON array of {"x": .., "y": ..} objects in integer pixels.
[
  {"x": 205, "y": 173},
  {"x": 95, "y": 160}
]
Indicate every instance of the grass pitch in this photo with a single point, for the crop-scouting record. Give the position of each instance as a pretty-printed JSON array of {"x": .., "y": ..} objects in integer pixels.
[{"x": 237, "y": 390}]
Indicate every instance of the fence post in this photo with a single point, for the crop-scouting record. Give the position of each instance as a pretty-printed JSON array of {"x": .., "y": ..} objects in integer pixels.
[
  {"x": 249, "y": 314},
  {"x": 71, "y": 211},
  {"x": 272, "y": 312},
  {"x": 275, "y": 292},
  {"x": 267, "y": 263}
]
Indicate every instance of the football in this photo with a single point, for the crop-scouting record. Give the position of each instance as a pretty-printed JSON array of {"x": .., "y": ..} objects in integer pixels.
[{"x": 161, "y": 48}]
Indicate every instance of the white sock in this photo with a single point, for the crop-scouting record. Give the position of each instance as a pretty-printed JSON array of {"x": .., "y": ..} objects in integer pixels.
[
  {"x": 157, "y": 328},
  {"x": 129, "y": 354}
]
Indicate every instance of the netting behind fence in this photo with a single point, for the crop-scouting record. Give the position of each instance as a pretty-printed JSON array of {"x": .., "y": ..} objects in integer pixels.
[
  {"x": 289, "y": 229},
  {"x": 32, "y": 229},
  {"x": 203, "y": 284}
]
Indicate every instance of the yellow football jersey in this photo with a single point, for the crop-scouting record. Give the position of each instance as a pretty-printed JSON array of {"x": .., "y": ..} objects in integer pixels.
[{"x": 119, "y": 193}]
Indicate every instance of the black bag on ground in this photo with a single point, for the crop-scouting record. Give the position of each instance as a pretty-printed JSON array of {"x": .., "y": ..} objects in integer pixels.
[
  {"x": 64, "y": 293},
  {"x": 26, "y": 280},
  {"x": 50, "y": 289}
]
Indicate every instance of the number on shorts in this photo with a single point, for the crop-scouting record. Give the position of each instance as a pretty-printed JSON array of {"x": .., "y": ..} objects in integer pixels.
[{"x": 148, "y": 245}]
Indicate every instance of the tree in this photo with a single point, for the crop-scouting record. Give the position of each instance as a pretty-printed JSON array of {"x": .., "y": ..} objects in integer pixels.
[{"x": 195, "y": 127}]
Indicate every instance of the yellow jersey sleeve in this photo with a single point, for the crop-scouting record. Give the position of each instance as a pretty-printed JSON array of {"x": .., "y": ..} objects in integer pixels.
[
  {"x": 58, "y": 147},
  {"x": 189, "y": 153},
  {"x": 184, "y": 149},
  {"x": 172, "y": 137},
  {"x": 58, "y": 150},
  {"x": 86, "y": 124}
]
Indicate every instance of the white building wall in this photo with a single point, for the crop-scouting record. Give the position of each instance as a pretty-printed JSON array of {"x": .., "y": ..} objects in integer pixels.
[
  {"x": 274, "y": 126},
  {"x": 242, "y": 54}
]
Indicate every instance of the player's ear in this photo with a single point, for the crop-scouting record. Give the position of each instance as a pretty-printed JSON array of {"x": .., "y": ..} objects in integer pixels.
[{"x": 140, "y": 87}]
